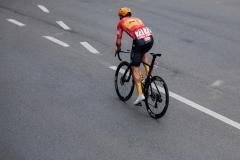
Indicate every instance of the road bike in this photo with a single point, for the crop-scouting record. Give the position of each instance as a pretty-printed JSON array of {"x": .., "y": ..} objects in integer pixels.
[{"x": 154, "y": 88}]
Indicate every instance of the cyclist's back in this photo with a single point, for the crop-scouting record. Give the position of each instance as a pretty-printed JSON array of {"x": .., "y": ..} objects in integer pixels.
[{"x": 135, "y": 28}]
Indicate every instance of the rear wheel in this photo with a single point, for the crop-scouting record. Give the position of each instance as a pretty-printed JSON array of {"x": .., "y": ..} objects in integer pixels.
[
  {"x": 124, "y": 83},
  {"x": 156, "y": 97}
]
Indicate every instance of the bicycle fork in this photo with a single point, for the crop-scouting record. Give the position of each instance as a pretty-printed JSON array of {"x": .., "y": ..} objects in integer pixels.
[{"x": 123, "y": 78}]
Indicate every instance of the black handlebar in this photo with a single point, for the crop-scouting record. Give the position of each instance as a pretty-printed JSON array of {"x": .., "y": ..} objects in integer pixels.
[{"x": 117, "y": 53}]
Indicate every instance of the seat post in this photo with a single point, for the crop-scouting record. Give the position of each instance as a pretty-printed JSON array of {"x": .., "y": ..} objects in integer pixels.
[{"x": 154, "y": 57}]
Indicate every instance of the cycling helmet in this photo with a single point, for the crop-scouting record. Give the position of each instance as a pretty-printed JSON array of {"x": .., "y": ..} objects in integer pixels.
[{"x": 124, "y": 11}]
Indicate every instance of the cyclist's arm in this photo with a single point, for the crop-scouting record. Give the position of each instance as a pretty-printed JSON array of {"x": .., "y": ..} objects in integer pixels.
[
  {"x": 118, "y": 45},
  {"x": 119, "y": 37}
]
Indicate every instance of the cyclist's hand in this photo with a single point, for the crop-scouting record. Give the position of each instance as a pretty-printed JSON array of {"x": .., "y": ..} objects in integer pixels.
[{"x": 117, "y": 49}]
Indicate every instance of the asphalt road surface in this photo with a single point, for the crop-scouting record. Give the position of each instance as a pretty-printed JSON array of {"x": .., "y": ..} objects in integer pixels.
[{"x": 57, "y": 96}]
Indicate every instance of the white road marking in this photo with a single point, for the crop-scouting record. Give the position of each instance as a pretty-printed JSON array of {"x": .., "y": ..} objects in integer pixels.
[
  {"x": 63, "y": 25},
  {"x": 89, "y": 47},
  {"x": 113, "y": 67},
  {"x": 44, "y": 9},
  {"x": 205, "y": 110},
  {"x": 56, "y": 41},
  {"x": 199, "y": 107},
  {"x": 217, "y": 83},
  {"x": 16, "y": 22}
]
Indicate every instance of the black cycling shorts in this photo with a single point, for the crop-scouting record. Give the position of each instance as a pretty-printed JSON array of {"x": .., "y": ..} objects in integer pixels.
[{"x": 139, "y": 48}]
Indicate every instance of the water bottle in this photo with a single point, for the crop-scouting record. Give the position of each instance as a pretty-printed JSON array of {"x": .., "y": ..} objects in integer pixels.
[{"x": 155, "y": 64}]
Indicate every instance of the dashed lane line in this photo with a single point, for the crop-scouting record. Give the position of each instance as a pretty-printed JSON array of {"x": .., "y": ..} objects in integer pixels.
[
  {"x": 197, "y": 106},
  {"x": 56, "y": 41},
  {"x": 89, "y": 47},
  {"x": 63, "y": 25},
  {"x": 44, "y": 9},
  {"x": 16, "y": 22}
]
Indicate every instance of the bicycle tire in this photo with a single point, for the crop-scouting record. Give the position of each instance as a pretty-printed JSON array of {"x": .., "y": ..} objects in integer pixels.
[
  {"x": 156, "y": 97},
  {"x": 124, "y": 88}
]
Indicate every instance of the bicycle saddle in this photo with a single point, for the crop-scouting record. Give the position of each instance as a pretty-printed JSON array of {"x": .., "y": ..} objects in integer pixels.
[{"x": 156, "y": 54}]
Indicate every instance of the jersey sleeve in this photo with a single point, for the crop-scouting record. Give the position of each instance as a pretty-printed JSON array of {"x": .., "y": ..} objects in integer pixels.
[{"x": 119, "y": 31}]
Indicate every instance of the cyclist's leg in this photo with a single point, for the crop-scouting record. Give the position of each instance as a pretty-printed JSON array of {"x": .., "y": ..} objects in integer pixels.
[
  {"x": 135, "y": 63},
  {"x": 136, "y": 58},
  {"x": 137, "y": 79},
  {"x": 145, "y": 49},
  {"x": 146, "y": 60}
]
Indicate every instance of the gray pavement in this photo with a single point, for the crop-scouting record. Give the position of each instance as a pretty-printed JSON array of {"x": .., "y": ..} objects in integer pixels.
[{"x": 59, "y": 102}]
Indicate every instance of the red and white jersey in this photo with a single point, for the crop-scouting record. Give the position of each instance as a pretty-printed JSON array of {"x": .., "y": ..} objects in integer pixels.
[{"x": 134, "y": 27}]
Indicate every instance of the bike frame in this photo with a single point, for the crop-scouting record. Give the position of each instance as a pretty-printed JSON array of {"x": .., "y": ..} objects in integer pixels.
[{"x": 148, "y": 79}]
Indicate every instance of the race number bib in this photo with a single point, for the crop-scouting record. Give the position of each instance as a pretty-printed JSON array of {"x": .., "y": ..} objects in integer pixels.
[
  {"x": 143, "y": 33},
  {"x": 139, "y": 34},
  {"x": 147, "y": 31}
]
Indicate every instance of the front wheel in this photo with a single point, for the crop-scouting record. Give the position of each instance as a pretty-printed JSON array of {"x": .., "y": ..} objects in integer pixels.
[
  {"x": 156, "y": 97},
  {"x": 124, "y": 83}
]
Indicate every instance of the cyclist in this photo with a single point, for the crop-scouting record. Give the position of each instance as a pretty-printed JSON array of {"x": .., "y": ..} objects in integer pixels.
[{"x": 142, "y": 43}]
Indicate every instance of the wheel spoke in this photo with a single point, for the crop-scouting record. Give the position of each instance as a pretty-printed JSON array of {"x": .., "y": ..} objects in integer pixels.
[{"x": 157, "y": 98}]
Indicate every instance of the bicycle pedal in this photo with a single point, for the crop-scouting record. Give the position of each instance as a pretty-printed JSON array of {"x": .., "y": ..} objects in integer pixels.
[{"x": 139, "y": 104}]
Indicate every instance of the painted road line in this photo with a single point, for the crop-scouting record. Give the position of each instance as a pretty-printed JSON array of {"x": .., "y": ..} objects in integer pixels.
[
  {"x": 44, "y": 9},
  {"x": 89, "y": 47},
  {"x": 56, "y": 41},
  {"x": 63, "y": 25},
  {"x": 217, "y": 83},
  {"x": 16, "y": 22},
  {"x": 205, "y": 110},
  {"x": 113, "y": 68},
  {"x": 199, "y": 107}
]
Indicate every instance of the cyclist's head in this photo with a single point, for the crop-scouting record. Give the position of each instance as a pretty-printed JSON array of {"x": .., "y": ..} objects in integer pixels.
[{"x": 124, "y": 12}]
